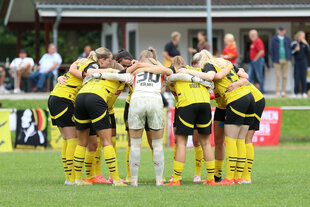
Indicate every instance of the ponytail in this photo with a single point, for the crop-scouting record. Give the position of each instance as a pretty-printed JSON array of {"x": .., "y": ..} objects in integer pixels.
[
  {"x": 178, "y": 62},
  {"x": 149, "y": 53},
  {"x": 99, "y": 53}
]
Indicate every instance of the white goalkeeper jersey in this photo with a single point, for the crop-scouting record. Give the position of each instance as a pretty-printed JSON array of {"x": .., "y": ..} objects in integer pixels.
[{"x": 146, "y": 84}]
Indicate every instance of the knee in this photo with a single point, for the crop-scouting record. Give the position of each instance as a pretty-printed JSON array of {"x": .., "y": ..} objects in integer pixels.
[{"x": 92, "y": 146}]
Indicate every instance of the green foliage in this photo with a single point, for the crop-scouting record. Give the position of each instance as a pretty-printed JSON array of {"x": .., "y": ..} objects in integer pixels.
[{"x": 280, "y": 178}]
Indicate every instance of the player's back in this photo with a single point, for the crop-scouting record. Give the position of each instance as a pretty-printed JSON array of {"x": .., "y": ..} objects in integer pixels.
[{"x": 147, "y": 84}]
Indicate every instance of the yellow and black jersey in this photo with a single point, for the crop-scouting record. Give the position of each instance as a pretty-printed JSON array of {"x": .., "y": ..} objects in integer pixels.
[
  {"x": 129, "y": 93},
  {"x": 174, "y": 93},
  {"x": 221, "y": 85},
  {"x": 74, "y": 84},
  {"x": 255, "y": 92},
  {"x": 113, "y": 98},
  {"x": 103, "y": 88},
  {"x": 190, "y": 93},
  {"x": 220, "y": 101}
]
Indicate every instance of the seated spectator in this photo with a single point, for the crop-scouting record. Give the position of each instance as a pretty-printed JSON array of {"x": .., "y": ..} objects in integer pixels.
[
  {"x": 2, "y": 77},
  {"x": 48, "y": 65},
  {"x": 87, "y": 50},
  {"x": 23, "y": 66}
]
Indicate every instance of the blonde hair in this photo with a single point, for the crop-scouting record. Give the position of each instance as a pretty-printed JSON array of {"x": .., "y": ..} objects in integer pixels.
[
  {"x": 150, "y": 55},
  {"x": 176, "y": 35},
  {"x": 178, "y": 62},
  {"x": 99, "y": 53},
  {"x": 116, "y": 65},
  {"x": 204, "y": 57},
  {"x": 230, "y": 37},
  {"x": 297, "y": 35}
]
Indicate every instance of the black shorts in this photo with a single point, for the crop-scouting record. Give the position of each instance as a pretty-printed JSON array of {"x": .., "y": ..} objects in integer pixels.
[
  {"x": 175, "y": 117},
  {"x": 219, "y": 114},
  {"x": 258, "y": 111},
  {"x": 91, "y": 111},
  {"x": 62, "y": 111},
  {"x": 126, "y": 111},
  {"x": 241, "y": 111},
  {"x": 112, "y": 121},
  {"x": 195, "y": 115}
]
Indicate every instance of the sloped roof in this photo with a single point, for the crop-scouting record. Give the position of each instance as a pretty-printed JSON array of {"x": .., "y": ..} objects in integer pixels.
[{"x": 172, "y": 2}]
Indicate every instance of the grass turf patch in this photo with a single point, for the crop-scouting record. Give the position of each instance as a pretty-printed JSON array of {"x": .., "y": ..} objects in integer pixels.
[{"x": 280, "y": 178}]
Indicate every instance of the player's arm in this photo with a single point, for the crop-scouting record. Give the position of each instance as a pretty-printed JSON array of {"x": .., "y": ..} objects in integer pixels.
[
  {"x": 123, "y": 77},
  {"x": 136, "y": 66},
  {"x": 108, "y": 70},
  {"x": 207, "y": 75},
  {"x": 222, "y": 73},
  {"x": 188, "y": 78},
  {"x": 233, "y": 86},
  {"x": 155, "y": 70}
]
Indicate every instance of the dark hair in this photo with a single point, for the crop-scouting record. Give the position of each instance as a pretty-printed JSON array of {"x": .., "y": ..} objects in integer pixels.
[
  {"x": 123, "y": 55},
  {"x": 203, "y": 33}
]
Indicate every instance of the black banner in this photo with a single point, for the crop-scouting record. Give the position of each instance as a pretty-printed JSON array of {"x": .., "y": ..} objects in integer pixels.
[{"x": 31, "y": 129}]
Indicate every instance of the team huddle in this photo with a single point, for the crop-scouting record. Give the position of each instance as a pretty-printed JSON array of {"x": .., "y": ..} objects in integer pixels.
[{"x": 81, "y": 106}]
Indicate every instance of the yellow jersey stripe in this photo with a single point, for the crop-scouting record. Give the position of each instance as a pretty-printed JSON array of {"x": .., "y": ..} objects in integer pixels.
[
  {"x": 240, "y": 113},
  {"x": 82, "y": 121},
  {"x": 185, "y": 123},
  {"x": 99, "y": 118},
  {"x": 204, "y": 125},
  {"x": 60, "y": 114},
  {"x": 257, "y": 117}
]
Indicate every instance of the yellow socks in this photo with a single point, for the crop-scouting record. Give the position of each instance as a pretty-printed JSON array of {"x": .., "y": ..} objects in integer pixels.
[
  {"x": 241, "y": 158},
  {"x": 249, "y": 162},
  {"x": 231, "y": 157},
  {"x": 97, "y": 159},
  {"x": 63, "y": 157},
  {"x": 110, "y": 159},
  {"x": 174, "y": 150},
  {"x": 219, "y": 168},
  {"x": 198, "y": 160},
  {"x": 127, "y": 162},
  {"x": 79, "y": 156},
  {"x": 71, "y": 145},
  {"x": 114, "y": 143},
  {"x": 89, "y": 157},
  {"x": 177, "y": 170},
  {"x": 210, "y": 166}
]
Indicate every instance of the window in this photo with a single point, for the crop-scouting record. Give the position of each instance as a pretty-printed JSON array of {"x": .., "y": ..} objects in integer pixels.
[
  {"x": 108, "y": 41},
  {"x": 132, "y": 43}
]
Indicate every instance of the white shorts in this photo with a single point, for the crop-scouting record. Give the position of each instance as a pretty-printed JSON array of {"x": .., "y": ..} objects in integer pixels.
[{"x": 148, "y": 108}]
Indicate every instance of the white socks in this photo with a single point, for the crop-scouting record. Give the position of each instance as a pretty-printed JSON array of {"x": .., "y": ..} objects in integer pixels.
[
  {"x": 134, "y": 157},
  {"x": 158, "y": 158}
]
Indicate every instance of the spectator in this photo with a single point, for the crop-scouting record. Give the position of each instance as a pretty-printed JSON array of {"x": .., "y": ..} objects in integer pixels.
[
  {"x": 87, "y": 50},
  {"x": 230, "y": 51},
  {"x": 300, "y": 50},
  {"x": 49, "y": 63},
  {"x": 281, "y": 53},
  {"x": 172, "y": 49},
  {"x": 202, "y": 44},
  {"x": 257, "y": 60},
  {"x": 23, "y": 66},
  {"x": 2, "y": 77}
]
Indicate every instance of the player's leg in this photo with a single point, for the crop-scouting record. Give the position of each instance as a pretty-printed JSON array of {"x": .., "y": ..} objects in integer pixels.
[
  {"x": 90, "y": 157},
  {"x": 208, "y": 158},
  {"x": 136, "y": 123},
  {"x": 156, "y": 122},
  {"x": 79, "y": 155},
  {"x": 203, "y": 124},
  {"x": 158, "y": 154},
  {"x": 219, "y": 138},
  {"x": 62, "y": 111},
  {"x": 198, "y": 157},
  {"x": 258, "y": 108},
  {"x": 135, "y": 153},
  {"x": 241, "y": 157},
  {"x": 184, "y": 126},
  {"x": 126, "y": 110}
]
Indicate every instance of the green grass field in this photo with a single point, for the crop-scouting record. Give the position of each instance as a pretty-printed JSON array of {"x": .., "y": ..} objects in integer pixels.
[{"x": 280, "y": 178}]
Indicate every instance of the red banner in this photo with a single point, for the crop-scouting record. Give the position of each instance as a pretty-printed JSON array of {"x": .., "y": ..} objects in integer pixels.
[{"x": 269, "y": 133}]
